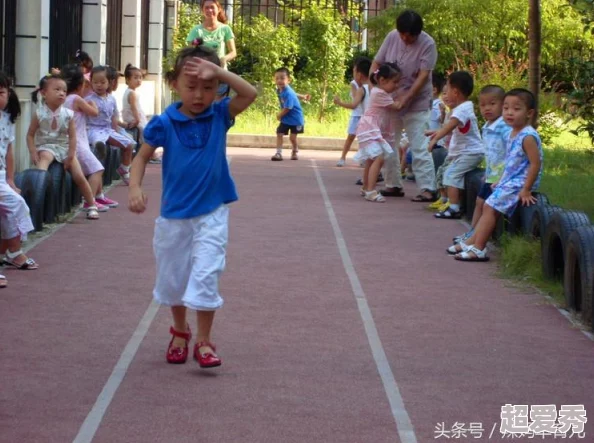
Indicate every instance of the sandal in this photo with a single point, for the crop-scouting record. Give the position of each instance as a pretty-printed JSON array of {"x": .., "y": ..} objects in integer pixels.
[
  {"x": 421, "y": 198},
  {"x": 395, "y": 192},
  {"x": 374, "y": 196},
  {"x": 479, "y": 255},
  {"x": 208, "y": 359},
  {"x": 457, "y": 248},
  {"x": 3, "y": 281},
  {"x": 449, "y": 214},
  {"x": 92, "y": 213},
  {"x": 177, "y": 355},
  {"x": 28, "y": 265}
]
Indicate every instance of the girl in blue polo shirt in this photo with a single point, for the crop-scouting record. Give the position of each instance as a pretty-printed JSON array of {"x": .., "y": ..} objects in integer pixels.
[{"x": 191, "y": 233}]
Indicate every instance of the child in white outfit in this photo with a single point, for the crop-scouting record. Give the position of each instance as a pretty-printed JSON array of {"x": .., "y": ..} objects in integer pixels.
[{"x": 15, "y": 220}]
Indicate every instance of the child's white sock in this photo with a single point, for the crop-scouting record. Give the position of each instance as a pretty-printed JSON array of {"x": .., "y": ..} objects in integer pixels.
[
  {"x": 444, "y": 199},
  {"x": 125, "y": 168},
  {"x": 100, "y": 195},
  {"x": 279, "y": 151},
  {"x": 454, "y": 207}
]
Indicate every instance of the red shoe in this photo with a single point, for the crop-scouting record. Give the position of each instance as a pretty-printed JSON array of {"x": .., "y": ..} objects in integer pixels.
[
  {"x": 177, "y": 355},
  {"x": 206, "y": 359}
]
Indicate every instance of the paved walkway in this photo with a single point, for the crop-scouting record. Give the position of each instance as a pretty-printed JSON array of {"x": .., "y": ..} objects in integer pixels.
[{"x": 344, "y": 322}]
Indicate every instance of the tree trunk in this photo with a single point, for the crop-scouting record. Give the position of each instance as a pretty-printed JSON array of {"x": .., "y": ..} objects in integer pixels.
[{"x": 534, "y": 52}]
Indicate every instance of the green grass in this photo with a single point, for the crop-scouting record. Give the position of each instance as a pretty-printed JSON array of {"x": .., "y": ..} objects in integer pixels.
[{"x": 254, "y": 121}]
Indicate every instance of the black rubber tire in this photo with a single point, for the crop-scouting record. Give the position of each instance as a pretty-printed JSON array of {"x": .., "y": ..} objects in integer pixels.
[
  {"x": 36, "y": 188},
  {"x": 473, "y": 181},
  {"x": 58, "y": 176},
  {"x": 554, "y": 242},
  {"x": 439, "y": 155},
  {"x": 578, "y": 278},
  {"x": 68, "y": 188},
  {"x": 526, "y": 214},
  {"x": 106, "y": 162},
  {"x": 115, "y": 163},
  {"x": 539, "y": 219}
]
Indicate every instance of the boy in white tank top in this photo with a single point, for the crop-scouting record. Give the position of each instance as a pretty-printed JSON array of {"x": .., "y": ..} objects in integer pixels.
[{"x": 359, "y": 99}]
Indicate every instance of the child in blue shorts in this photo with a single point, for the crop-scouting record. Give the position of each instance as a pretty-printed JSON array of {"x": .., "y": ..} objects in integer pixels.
[
  {"x": 290, "y": 116},
  {"x": 495, "y": 133},
  {"x": 520, "y": 178},
  {"x": 191, "y": 234}
]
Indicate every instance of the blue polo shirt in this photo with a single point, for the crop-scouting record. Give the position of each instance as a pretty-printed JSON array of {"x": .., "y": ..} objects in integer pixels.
[
  {"x": 289, "y": 100},
  {"x": 196, "y": 176}
]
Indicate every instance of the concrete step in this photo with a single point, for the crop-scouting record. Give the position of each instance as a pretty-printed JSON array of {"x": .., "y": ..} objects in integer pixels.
[{"x": 269, "y": 141}]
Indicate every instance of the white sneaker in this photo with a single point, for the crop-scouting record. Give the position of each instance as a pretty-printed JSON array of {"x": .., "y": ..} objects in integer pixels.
[{"x": 340, "y": 163}]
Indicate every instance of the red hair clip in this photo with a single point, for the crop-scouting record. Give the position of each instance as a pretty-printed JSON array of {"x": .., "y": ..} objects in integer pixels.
[{"x": 197, "y": 42}]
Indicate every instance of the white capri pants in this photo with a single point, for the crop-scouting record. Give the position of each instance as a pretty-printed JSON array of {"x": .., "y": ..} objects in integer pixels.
[
  {"x": 190, "y": 256},
  {"x": 15, "y": 218}
]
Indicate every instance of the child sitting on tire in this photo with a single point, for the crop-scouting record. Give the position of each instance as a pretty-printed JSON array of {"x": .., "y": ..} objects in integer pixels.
[
  {"x": 495, "y": 134},
  {"x": 15, "y": 219},
  {"x": 521, "y": 175}
]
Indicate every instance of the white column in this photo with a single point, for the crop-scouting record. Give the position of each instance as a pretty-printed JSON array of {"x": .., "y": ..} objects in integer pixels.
[
  {"x": 155, "y": 49},
  {"x": 131, "y": 27},
  {"x": 94, "y": 30},
  {"x": 32, "y": 43}
]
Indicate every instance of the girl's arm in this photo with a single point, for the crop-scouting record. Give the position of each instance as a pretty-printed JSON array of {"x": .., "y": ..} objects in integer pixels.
[
  {"x": 71, "y": 145},
  {"x": 134, "y": 108},
  {"x": 530, "y": 147},
  {"x": 10, "y": 169},
  {"x": 358, "y": 95},
  {"x": 442, "y": 132},
  {"x": 231, "y": 52},
  {"x": 86, "y": 107},
  {"x": 205, "y": 70},
  {"x": 115, "y": 122},
  {"x": 33, "y": 127},
  {"x": 304, "y": 97},
  {"x": 282, "y": 113},
  {"x": 137, "y": 199}
]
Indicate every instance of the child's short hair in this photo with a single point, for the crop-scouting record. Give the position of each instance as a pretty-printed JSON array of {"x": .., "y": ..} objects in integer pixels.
[
  {"x": 43, "y": 84},
  {"x": 13, "y": 107},
  {"x": 74, "y": 77},
  {"x": 112, "y": 73},
  {"x": 100, "y": 69},
  {"x": 199, "y": 50},
  {"x": 363, "y": 65},
  {"x": 283, "y": 70},
  {"x": 525, "y": 95},
  {"x": 129, "y": 71},
  {"x": 84, "y": 59},
  {"x": 495, "y": 90},
  {"x": 386, "y": 70},
  {"x": 438, "y": 80},
  {"x": 462, "y": 81}
]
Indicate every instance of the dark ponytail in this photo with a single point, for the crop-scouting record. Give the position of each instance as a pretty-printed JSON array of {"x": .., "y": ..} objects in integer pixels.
[
  {"x": 386, "y": 70},
  {"x": 129, "y": 71},
  {"x": 13, "y": 107},
  {"x": 42, "y": 85}
]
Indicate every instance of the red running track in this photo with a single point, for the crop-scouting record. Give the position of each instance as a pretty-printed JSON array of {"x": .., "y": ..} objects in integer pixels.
[{"x": 297, "y": 362}]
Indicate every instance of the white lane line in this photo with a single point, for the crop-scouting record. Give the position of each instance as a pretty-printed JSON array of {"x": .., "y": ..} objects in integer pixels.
[
  {"x": 89, "y": 427},
  {"x": 404, "y": 426}
]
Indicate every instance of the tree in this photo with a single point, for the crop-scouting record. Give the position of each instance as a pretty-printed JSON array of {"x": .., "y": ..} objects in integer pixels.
[{"x": 534, "y": 53}]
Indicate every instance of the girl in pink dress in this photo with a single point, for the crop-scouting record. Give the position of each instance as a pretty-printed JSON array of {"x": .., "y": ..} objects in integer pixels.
[
  {"x": 375, "y": 133},
  {"x": 90, "y": 165}
]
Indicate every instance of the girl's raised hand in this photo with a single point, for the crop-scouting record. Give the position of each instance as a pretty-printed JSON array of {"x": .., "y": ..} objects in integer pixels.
[{"x": 203, "y": 69}]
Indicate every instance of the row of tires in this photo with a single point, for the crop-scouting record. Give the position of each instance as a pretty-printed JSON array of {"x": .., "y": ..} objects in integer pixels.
[
  {"x": 566, "y": 240},
  {"x": 52, "y": 193}
]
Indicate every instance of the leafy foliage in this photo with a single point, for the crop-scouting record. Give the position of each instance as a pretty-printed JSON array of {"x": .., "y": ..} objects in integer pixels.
[
  {"x": 188, "y": 16},
  {"x": 580, "y": 104}
]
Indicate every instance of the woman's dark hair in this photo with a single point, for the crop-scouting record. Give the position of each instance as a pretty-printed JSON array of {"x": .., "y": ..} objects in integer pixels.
[
  {"x": 386, "y": 70},
  {"x": 221, "y": 14},
  {"x": 409, "y": 22},
  {"x": 525, "y": 95},
  {"x": 74, "y": 77},
  {"x": 363, "y": 65},
  {"x": 199, "y": 51},
  {"x": 84, "y": 59},
  {"x": 129, "y": 71},
  {"x": 13, "y": 107},
  {"x": 43, "y": 84},
  {"x": 462, "y": 81},
  {"x": 100, "y": 69}
]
